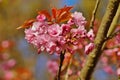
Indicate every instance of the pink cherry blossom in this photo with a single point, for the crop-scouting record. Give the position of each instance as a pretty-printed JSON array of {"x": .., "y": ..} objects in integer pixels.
[
  {"x": 78, "y": 18},
  {"x": 55, "y": 37},
  {"x": 5, "y": 44},
  {"x": 50, "y": 47},
  {"x": 36, "y": 26},
  {"x": 52, "y": 67},
  {"x": 6, "y": 65},
  {"x": 71, "y": 22},
  {"x": 54, "y": 30},
  {"x": 89, "y": 48},
  {"x": 65, "y": 28},
  {"x": 108, "y": 69},
  {"x": 79, "y": 32},
  {"x": 8, "y": 75},
  {"x": 91, "y": 34},
  {"x": 29, "y": 35},
  {"x": 11, "y": 63}
]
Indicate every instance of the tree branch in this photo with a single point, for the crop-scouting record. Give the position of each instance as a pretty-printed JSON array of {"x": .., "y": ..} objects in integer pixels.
[
  {"x": 113, "y": 25},
  {"x": 93, "y": 57}
]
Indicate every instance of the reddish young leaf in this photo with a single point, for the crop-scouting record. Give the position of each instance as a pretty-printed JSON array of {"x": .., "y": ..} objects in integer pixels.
[
  {"x": 64, "y": 17},
  {"x": 27, "y": 23},
  {"x": 58, "y": 15},
  {"x": 54, "y": 13},
  {"x": 63, "y": 14},
  {"x": 64, "y": 10}
]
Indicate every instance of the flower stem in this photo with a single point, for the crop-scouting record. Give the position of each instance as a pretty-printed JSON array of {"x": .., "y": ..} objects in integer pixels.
[{"x": 61, "y": 63}]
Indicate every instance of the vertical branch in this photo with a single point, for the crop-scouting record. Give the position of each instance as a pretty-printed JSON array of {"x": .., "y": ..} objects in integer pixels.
[
  {"x": 61, "y": 63},
  {"x": 94, "y": 13},
  {"x": 93, "y": 57},
  {"x": 113, "y": 25}
]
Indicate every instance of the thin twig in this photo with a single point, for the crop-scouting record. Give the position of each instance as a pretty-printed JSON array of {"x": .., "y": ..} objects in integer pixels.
[
  {"x": 61, "y": 63},
  {"x": 112, "y": 35},
  {"x": 94, "y": 13}
]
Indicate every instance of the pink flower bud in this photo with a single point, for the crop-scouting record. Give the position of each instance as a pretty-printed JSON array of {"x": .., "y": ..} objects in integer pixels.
[
  {"x": 91, "y": 35},
  {"x": 41, "y": 17}
]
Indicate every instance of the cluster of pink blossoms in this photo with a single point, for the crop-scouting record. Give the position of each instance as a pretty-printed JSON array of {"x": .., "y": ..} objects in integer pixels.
[{"x": 56, "y": 37}]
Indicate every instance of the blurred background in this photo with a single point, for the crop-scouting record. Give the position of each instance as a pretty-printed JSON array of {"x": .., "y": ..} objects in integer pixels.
[{"x": 26, "y": 64}]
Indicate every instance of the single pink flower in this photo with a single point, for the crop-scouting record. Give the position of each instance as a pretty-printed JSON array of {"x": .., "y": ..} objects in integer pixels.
[
  {"x": 8, "y": 75},
  {"x": 11, "y": 63},
  {"x": 108, "y": 69},
  {"x": 5, "y": 44},
  {"x": 52, "y": 67},
  {"x": 65, "y": 28},
  {"x": 43, "y": 39},
  {"x": 89, "y": 48},
  {"x": 91, "y": 34},
  {"x": 78, "y": 18},
  {"x": 29, "y": 35},
  {"x": 82, "y": 31},
  {"x": 79, "y": 32},
  {"x": 50, "y": 47},
  {"x": 54, "y": 30},
  {"x": 36, "y": 26},
  {"x": 70, "y": 22}
]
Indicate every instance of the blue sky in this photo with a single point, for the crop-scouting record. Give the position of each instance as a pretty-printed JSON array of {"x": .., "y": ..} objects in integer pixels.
[{"x": 70, "y": 2}]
